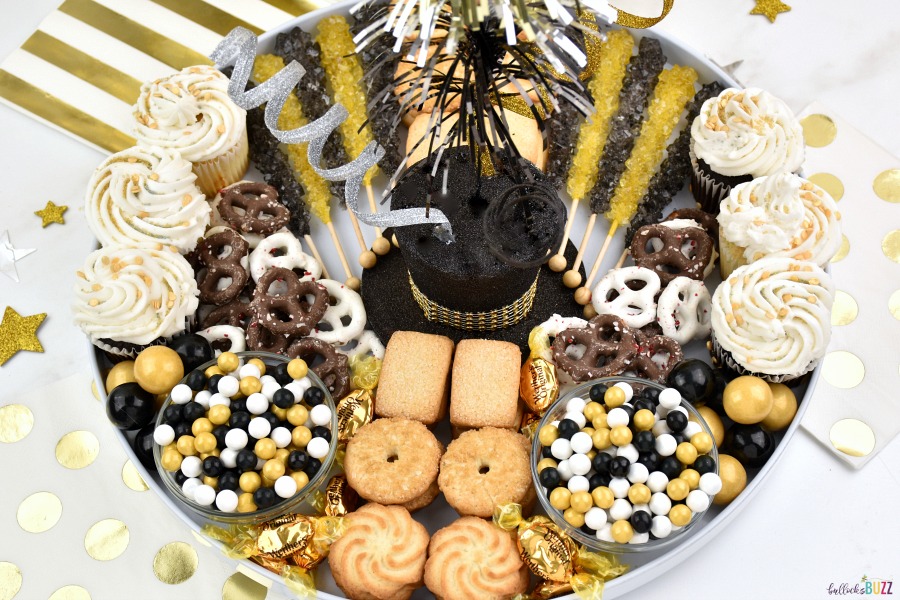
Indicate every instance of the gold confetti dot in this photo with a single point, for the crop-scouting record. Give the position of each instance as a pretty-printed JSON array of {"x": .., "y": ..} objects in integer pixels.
[
  {"x": 818, "y": 130},
  {"x": 829, "y": 183},
  {"x": 260, "y": 579},
  {"x": 241, "y": 587},
  {"x": 853, "y": 437},
  {"x": 77, "y": 449},
  {"x": 70, "y": 592},
  {"x": 887, "y": 185},
  {"x": 10, "y": 580},
  {"x": 106, "y": 539},
  {"x": 39, "y": 512},
  {"x": 175, "y": 563},
  {"x": 843, "y": 251},
  {"x": 132, "y": 477},
  {"x": 890, "y": 245},
  {"x": 95, "y": 391},
  {"x": 894, "y": 304},
  {"x": 16, "y": 421},
  {"x": 843, "y": 369},
  {"x": 844, "y": 310}
]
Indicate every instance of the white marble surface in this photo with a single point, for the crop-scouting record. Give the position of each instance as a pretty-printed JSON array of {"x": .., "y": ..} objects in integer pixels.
[{"x": 817, "y": 522}]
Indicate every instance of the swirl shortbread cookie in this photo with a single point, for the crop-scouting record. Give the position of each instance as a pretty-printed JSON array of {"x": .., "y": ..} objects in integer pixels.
[
  {"x": 381, "y": 555},
  {"x": 772, "y": 318},
  {"x": 146, "y": 195},
  {"x": 472, "y": 558},
  {"x": 134, "y": 295}
]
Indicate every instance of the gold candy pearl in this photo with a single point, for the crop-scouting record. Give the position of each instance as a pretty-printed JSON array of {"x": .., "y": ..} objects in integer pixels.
[
  {"x": 259, "y": 364},
  {"x": 680, "y": 515},
  {"x": 297, "y": 368},
  {"x": 266, "y": 482},
  {"x": 588, "y": 430},
  {"x": 205, "y": 442},
  {"x": 686, "y": 453},
  {"x": 702, "y": 441},
  {"x": 297, "y": 415},
  {"x": 250, "y": 481},
  {"x": 573, "y": 517},
  {"x": 644, "y": 420},
  {"x": 784, "y": 408},
  {"x": 245, "y": 503},
  {"x": 592, "y": 410},
  {"x": 228, "y": 362},
  {"x": 219, "y": 414},
  {"x": 249, "y": 385},
  {"x": 265, "y": 448},
  {"x": 213, "y": 370},
  {"x": 273, "y": 469},
  {"x": 622, "y": 531},
  {"x": 678, "y": 489},
  {"x": 281, "y": 413},
  {"x": 215, "y": 452},
  {"x": 201, "y": 425},
  {"x": 620, "y": 436},
  {"x": 282, "y": 455},
  {"x": 714, "y": 421},
  {"x": 561, "y": 498},
  {"x": 581, "y": 502},
  {"x": 599, "y": 422},
  {"x": 734, "y": 479},
  {"x": 692, "y": 477},
  {"x": 122, "y": 372},
  {"x": 300, "y": 436},
  {"x": 603, "y": 497},
  {"x": 601, "y": 438},
  {"x": 158, "y": 369},
  {"x": 614, "y": 397},
  {"x": 548, "y": 434},
  {"x": 546, "y": 463},
  {"x": 185, "y": 445},
  {"x": 747, "y": 400},
  {"x": 171, "y": 459},
  {"x": 300, "y": 478},
  {"x": 212, "y": 482},
  {"x": 639, "y": 494}
]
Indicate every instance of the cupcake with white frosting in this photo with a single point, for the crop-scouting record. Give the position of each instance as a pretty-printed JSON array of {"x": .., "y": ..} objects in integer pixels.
[
  {"x": 191, "y": 112},
  {"x": 772, "y": 318},
  {"x": 778, "y": 215},
  {"x": 129, "y": 298},
  {"x": 143, "y": 195},
  {"x": 738, "y": 136}
]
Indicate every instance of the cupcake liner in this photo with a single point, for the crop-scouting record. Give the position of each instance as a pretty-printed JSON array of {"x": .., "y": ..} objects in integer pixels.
[
  {"x": 120, "y": 351},
  {"x": 707, "y": 190},
  {"x": 225, "y": 169},
  {"x": 723, "y": 358}
]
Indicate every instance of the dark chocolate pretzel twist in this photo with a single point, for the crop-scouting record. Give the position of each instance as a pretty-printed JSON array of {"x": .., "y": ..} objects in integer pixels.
[
  {"x": 670, "y": 260},
  {"x": 610, "y": 346},
  {"x": 209, "y": 255},
  {"x": 289, "y": 313},
  {"x": 334, "y": 370},
  {"x": 257, "y": 201}
]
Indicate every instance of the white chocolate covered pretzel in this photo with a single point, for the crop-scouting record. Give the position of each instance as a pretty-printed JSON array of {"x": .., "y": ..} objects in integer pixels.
[
  {"x": 283, "y": 250},
  {"x": 224, "y": 338},
  {"x": 345, "y": 317},
  {"x": 684, "y": 311},
  {"x": 628, "y": 293}
]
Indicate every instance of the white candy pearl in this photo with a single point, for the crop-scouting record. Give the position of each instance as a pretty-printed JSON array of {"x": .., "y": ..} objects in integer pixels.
[
  {"x": 629, "y": 451},
  {"x": 616, "y": 418},
  {"x": 604, "y": 534},
  {"x": 561, "y": 448},
  {"x": 580, "y": 464},
  {"x": 317, "y": 447},
  {"x": 297, "y": 389},
  {"x": 281, "y": 436},
  {"x": 595, "y": 518},
  {"x": 697, "y": 501},
  {"x": 555, "y": 423},
  {"x": 236, "y": 439},
  {"x": 182, "y": 394},
  {"x": 257, "y": 403},
  {"x": 661, "y": 526},
  {"x": 202, "y": 398},
  {"x": 638, "y": 473},
  {"x": 259, "y": 428},
  {"x": 611, "y": 451},
  {"x": 285, "y": 486},
  {"x": 580, "y": 442},
  {"x": 621, "y": 509},
  {"x": 682, "y": 410},
  {"x": 565, "y": 471},
  {"x": 575, "y": 405},
  {"x": 227, "y": 500},
  {"x": 577, "y": 417},
  {"x": 642, "y": 507},
  {"x": 660, "y": 427},
  {"x": 711, "y": 483},
  {"x": 269, "y": 388},
  {"x": 692, "y": 428},
  {"x": 268, "y": 379},
  {"x": 190, "y": 484},
  {"x": 164, "y": 435},
  {"x": 626, "y": 387},
  {"x": 660, "y": 503},
  {"x": 190, "y": 466},
  {"x": 578, "y": 483},
  {"x": 657, "y": 481},
  {"x": 217, "y": 399},
  {"x": 249, "y": 370},
  {"x": 228, "y": 456},
  {"x": 665, "y": 445},
  {"x": 669, "y": 398},
  {"x": 640, "y": 538},
  {"x": 204, "y": 495},
  {"x": 320, "y": 415},
  {"x": 619, "y": 486},
  {"x": 229, "y": 386}
]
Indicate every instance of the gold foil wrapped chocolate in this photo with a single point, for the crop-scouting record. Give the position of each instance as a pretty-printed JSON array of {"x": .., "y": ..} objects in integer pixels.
[
  {"x": 353, "y": 411},
  {"x": 538, "y": 386},
  {"x": 364, "y": 372},
  {"x": 340, "y": 498},
  {"x": 547, "y": 551}
]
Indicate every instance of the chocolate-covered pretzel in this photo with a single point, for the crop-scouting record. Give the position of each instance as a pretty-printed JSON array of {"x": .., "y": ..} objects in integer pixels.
[
  {"x": 684, "y": 252},
  {"x": 650, "y": 348},
  {"x": 261, "y": 212},
  {"x": 707, "y": 221},
  {"x": 334, "y": 370},
  {"x": 219, "y": 257},
  {"x": 260, "y": 338},
  {"x": 290, "y": 313},
  {"x": 236, "y": 313},
  {"x": 609, "y": 347}
]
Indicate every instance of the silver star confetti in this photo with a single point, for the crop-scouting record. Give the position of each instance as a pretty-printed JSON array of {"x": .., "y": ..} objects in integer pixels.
[{"x": 9, "y": 255}]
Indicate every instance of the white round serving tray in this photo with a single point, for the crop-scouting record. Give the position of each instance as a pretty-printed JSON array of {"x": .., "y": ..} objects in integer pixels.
[{"x": 644, "y": 567}]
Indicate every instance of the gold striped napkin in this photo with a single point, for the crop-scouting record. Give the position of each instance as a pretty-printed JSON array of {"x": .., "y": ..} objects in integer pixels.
[{"x": 82, "y": 70}]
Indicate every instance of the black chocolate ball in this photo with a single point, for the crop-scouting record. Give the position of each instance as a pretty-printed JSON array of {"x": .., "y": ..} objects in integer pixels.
[
  {"x": 598, "y": 391},
  {"x": 641, "y": 521},
  {"x": 246, "y": 460},
  {"x": 694, "y": 379},
  {"x": 567, "y": 428},
  {"x": 212, "y": 466},
  {"x": 229, "y": 480},
  {"x": 196, "y": 380},
  {"x": 193, "y": 349},
  {"x": 618, "y": 467},
  {"x": 644, "y": 441},
  {"x": 173, "y": 414},
  {"x": 704, "y": 464},
  {"x": 130, "y": 407},
  {"x": 193, "y": 411},
  {"x": 670, "y": 467},
  {"x": 314, "y": 396},
  {"x": 550, "y": 477},
  {"x": 600, "y": 462},
  {"x": 676, "y": 420},
  {"x": 312, "y": 467},
  {"x": 264, "y": 497},
  {"x": 143, "y": 446},
  {"x": 283, "y": 398},
  {"x": 280, "y": 373},
  {"x": 750, "y": 444},
  {"x": 297, "y": 460}
]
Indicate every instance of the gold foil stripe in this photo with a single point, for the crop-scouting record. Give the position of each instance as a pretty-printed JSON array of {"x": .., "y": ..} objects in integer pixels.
[
  {"x": 206, "y": 15},
  {"x": 132, "y": 33},
  {"x": 627, "y": 19},
  {"x": 81, "y": 65},
  {"x": 297, "y": 7},
  {"x": 498, "y": 318},
  {"x": 61, "y": 114}
]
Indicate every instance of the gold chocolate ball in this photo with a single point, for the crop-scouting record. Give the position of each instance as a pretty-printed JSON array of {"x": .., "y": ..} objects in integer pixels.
[
  {"x": 747, "y": 400},
  {"x": 644, "y": 420},
  {"x": 614, "y": 397},
  {"x": 592, "y": 410},
  {"x": 714, "y": 421},
  {"x": 215, "y": 452},
  {"x": 273, "y": 469},
  {"x": 557, "y": 263},
  {"x": 300, "y": 478},
  {"x": 692, "y": 476},
  {"x": 185, "y": 445},
  {"x": 573, "y": 517},
  {"x": 548, "y": 434},
  {"x": 265, "y": 448},
  {"x": 680, "y": 515},
  {"x": 639, "y": 494},
  {"x": 591, "y": 453},
  {"x": 581, "y": 502},
  {"x": 122, "y": 372},
  {"x": 571, "y": 279},
  {"x": 620, "y": 436},
  {"x": 250, "y": 385},
  {"x": 158, "y": 369},
  {"x": 702, "y": 441},
  {"x": 297, "y": 415},
  {"x": 171, "y": 459},
  {"x": 353, "y": 283},
  {"x": 245, "y": 503},
  {"x": 601, "y": 438},
  {"x": 381, "y": 246},
  {"x": 603, "y": 497},
  {"x": 281, "y": 413},
  {"x": 250, "y": 481},
  {"x": 201, "y": 425},
  {"x": 589, "y": 311},
  {"x": 686, "y": 453},
  {"x": 297, "y": 368},
  {"x": 734, "y": 479},
  {"x": 546, "y": 463},
  {"x": 300, "y": 436},
  {"x": 622, "y": 531},
  {"x": 583, "y": 296},
  {"x": 228, "y": 362},
  {"x": 784, "y": 407},
  {"x": 212, "y": 482},
  {"x": 678, "y": 489},
  {"x": 213, "y": 370},
  {"x": 282, "y": 455},
  {"x": 560, "y": 498},
  {"x": 600, "y": 422},
  {"x": 368, "y": 259},
  {"x": 219, "y": 414},
  {"x": 205, "y": 442},
  {"x": 259, "y": 364}
]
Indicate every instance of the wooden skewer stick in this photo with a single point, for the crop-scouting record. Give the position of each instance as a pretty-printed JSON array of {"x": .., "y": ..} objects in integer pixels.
[
  {"x": 622, "y": 258},
  {"x": 316, "y": 255},
  {"x": 367, "y": 258},
  {"x": 381, "y": 245},
  {"x": 572, "y": 278},
  {"x": 352, "y": 282},
  {"x": 583, "y": 294},
  {"x": 558, "y": 261}
]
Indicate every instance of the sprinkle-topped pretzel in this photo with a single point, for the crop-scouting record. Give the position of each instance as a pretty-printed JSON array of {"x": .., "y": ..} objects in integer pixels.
[
  {"x": 656, "y": 356},
  {"x": 629, "y": 293},
  {"x": 290, "y": 312},
  {"x": 334, "y": 370},
  {"x": 684, "y": 252},
  {"x": 260, "y": 338},
  {"x": 225, "y": 338},
  {"x": 283, "y": 250},
  {"x": 236, "y": 313},
  {"x": 253, "y": 207},
  {"x": 685, "y": 310},
  {"x": 223, "y": 255},
  {"x": 707, "y": 221},
  {"x": 609, "y": 347},
  {"x": 345, "y": 318}
]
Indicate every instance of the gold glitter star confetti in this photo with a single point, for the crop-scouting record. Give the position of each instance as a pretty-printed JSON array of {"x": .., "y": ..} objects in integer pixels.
[
  {"x": 770, "y": 8},
  {"x": 19, "y": 333},
  {"x": 52, "y": 214}
]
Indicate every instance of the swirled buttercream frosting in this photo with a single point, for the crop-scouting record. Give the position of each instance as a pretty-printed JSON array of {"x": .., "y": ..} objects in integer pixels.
[
  {"x": 134, "y": 295},
  {"x": 773, "y": 316},
  {"x": 747, "y": 132},
  {"x": 146, "y": 195}
]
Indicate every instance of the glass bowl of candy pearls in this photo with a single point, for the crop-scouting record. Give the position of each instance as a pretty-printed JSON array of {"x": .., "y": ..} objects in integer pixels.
[
  {"x": 624, "y": 465},
  {"x": 246, "y": 438}
]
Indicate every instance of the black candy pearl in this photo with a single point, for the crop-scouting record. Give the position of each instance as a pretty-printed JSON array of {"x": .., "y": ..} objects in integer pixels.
[
  {"x": 183, "y": 428},
  {"x": 280, "y": 373},
  {"x": 599, "y": 480},
  {"x": 597, "y": 392},
  {"x": 271, "y": 418},
  {"x": 173, "y": 414},
  {"x": 283, "y": 398},
  {"x": 239, "y": 405},
  {"x": 212, "y": 466},
  {"x": 314, "y": 396},
  {"x": 193, "y": 349},
  {"x": 649, "y": 459},
  {"x": 588, "y": 530},
  {"x": 264, "y": 497},
  {"x": 680, "y": 437},
  {"x": 694, "y": 379},
  {"x": 750, "y": 444},
  {"x": 297, "y": 460},
  {"x": 312, "y": 467},
  {"x": 129, "y": 407},
  {"x": 143, "y": 446},
  {"x": 545, "y": 453},
  {"x": 214, "y": 383},
  {"x": 220, "y": 432},
  {"x": 644, "y": 441},
  {"x": 704, "y": 464},
  {"x": 629, "y": 410},
  {"x": 641, "y": 521},
  {"x": 644, "y": 403},
  {"x": 676, "y": 420},
  {"x": 618, "y": 467},
  {"x": 715, "y": 401},
  {"x": 550, "y": 477},
  {"x": 239, "y": 420},
  {"x": 196, "y": 380},
  {"x": 670, "y": 467},
  {"x": 567, "y": 428},
  {"x": 193, "y": 411},
  {"x": 228, "y": 480},
  {"x": 246, "y": 460},
  {"x": 180, "y": 477},
  {"x": 651, "y": 394},
  {"x": 601, "y": 461},
  {"x": 321, "y": 431}
]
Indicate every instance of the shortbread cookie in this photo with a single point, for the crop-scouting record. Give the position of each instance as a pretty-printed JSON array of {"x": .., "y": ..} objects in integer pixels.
[
  {"x": 485, "y": 389},
  {"x": 381, "y": 556},
  {"x": 424, "y": 500},
  {"x": 413, "y": 382}
]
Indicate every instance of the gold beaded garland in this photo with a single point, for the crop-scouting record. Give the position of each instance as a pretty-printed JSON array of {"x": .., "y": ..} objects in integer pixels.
[
  {"x": 620, "y": 435},
  {"x": 603, "y": 497},
  {"x": 601, "y": 438},
  {"x": 122, "y": 372},
  {"x": 264, "y": 448},
  {"x": 300, "y": 436},
  {"x": 702, "y": 441},
  {"x": 678, "y": 489},
  {"x": 686, "y": 453},
  {"x": 228, "y": 362},
  {"x": 784, "y": 408},
  {"x": 734, "y": 479},
  {"x": 297, "y": 368},
  {"x": 560, "y": 498},
  {"x": 158, "y": 369},
  {"x": 614, "y": 397},
  {"x": 581, "y": 502},
  {"x": 680, "y": 515},
  {"x": 297, "y": 415},
  {"x": 548, "y": 434},
  {"x": 644, "y": 420},
  {"x": 250, "y": 481},
  {"x": 692, "y": 476},
  {"x": 747, "y": 400},
  {"x": 573, "y": 517},
  {"x": 219, "y": 414},
  {"x": 622, "y": 531}
]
